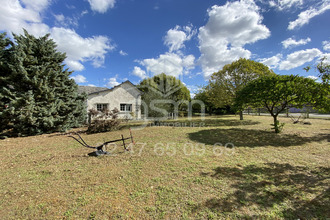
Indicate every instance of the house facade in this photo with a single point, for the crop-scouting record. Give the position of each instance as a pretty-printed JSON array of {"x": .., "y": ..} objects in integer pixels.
[{"x": 126, "y": 97}]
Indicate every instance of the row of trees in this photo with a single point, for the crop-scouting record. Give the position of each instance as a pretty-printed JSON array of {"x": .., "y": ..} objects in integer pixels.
[
  {"x": 246, "y": 83},
  {"x": 36, "y": 94}
]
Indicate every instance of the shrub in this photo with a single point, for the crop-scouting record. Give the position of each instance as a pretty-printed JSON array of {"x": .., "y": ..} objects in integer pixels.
[{"x": 104, "y": 121}]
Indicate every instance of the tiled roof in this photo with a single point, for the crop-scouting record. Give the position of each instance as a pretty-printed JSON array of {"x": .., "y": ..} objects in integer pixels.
[{"x": 90, "y": 89}]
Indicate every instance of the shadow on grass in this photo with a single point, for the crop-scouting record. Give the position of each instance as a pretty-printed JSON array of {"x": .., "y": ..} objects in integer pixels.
[
  {"x": 291, "y": 191},
  {"x": 252, "y": 138}
]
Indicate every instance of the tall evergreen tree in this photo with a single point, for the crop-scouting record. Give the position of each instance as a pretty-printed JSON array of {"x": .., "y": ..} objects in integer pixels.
[
  {"x": 40, "y": 97},
  {"x": 5, "y": 50}
]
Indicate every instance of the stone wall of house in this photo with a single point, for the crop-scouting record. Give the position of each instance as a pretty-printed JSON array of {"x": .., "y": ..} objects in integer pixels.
[{"x": 123, "y": 94}]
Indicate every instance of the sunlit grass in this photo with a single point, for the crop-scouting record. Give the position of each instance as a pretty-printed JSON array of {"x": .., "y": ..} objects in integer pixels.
[{"x": 172, "y": 172}]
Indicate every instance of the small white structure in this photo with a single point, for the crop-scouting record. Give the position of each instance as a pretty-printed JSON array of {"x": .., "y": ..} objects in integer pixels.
[{"x": 125, "y": 97}]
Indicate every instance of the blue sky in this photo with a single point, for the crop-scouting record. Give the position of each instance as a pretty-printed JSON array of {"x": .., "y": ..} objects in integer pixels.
[{"x": 110, "y": 41}]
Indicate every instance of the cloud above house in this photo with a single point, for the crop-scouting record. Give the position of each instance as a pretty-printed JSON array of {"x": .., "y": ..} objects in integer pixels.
[
  {"x": 79, "y": 78},
  {"x": 229, "y": 28},
  {"x": 79, "y": 49},
  {"x": 176, "y": 37},
  {"x": 139, "y": 72},
  {"x": 112, "y": 82},
  {"x": 169, "y": 63},
  {"x": 174, "y": 62}
]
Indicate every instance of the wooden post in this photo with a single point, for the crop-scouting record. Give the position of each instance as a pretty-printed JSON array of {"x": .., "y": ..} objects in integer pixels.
[
  {"x": 122, "y": 137},
  {"x": 130, "y": 132}
]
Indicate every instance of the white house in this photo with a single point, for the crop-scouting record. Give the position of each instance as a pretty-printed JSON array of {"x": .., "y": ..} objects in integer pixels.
[{"x": 125, "y": 97}]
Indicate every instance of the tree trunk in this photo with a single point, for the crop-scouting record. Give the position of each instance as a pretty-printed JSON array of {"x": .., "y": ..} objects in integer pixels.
[
  {"x": 276, "y": 124},
  {"x": 241, "y": 115}
]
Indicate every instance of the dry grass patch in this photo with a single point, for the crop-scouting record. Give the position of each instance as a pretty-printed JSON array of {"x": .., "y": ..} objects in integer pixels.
[{"x": 172, "y": 173}]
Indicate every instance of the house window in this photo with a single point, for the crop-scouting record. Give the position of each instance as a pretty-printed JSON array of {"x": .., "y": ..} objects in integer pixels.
[
  {"x": 125, "y": 107},
  {"x": 101, "y": 107}
]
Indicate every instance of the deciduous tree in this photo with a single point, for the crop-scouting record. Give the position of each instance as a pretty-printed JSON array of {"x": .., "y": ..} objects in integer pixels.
[
  {"x": 277, "y": 92},
  {"x": 162, "y": 88},
  {"x": 224, "y": 84}
]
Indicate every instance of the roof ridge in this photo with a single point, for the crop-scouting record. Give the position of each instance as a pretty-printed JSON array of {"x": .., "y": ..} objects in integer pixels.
[{"x": 93, "y": 89}]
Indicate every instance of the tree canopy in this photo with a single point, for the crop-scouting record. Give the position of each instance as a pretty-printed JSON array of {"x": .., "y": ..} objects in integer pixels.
[
  {"x": 160, "y": 91},
  {"x": 224, "y": 84},
  {"x": 278, "y": 92},
  {"x": 36, "y": 94}
]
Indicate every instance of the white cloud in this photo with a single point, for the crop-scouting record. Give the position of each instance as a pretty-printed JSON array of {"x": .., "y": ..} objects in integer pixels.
[
  {"x": 299, "y": 58},
  {"x": 79, "y": 49},
  {"x": 290, "y": 42},
  {"x": 326, "y": 60},
  {"x": 112, "y": 82},
  {"x": 188, "y": 63},
  {"x": 139, "y": 72},
  {"x": 74, "y": 65},
  {"x": 326, "y": 45},
  {"x": 69, "y": 21},
  {"x": 63, "y": 21},
  {"x": 176, "y": 37},
  {"x": 79, "y": 78},
  {"x": 92, "y": 85},
  {"x": 305, "y": 16},
  {"x": 14, "y": 17},
  {"x": 174, "y": 62},
  {"x": 273, "y": 61},
  {"x": 59, "y": 18},
  {"x": 84, "y": 13},
  {"x": 313, "y": 77},
  {"x": 228, "y": 29},
  {"x": 285, "y": 4},
  {"x": 192, "y": 89},
  {"x": 101, "y": 6},
  {"x": 123, "y": 53},
  {"x": 170, "y": 63},
  {"x": 37, "y": 5}
]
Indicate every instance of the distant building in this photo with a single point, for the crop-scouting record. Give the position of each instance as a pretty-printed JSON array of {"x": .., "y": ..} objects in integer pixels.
[{"x": 126, "y": 97}]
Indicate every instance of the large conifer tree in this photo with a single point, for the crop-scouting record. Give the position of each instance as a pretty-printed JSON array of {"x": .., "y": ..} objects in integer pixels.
[{"x": 37, "y": 95}]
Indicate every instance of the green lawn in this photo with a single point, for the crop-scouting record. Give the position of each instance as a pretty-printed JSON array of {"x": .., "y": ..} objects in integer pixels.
[{"x": 224, "y": 169}]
